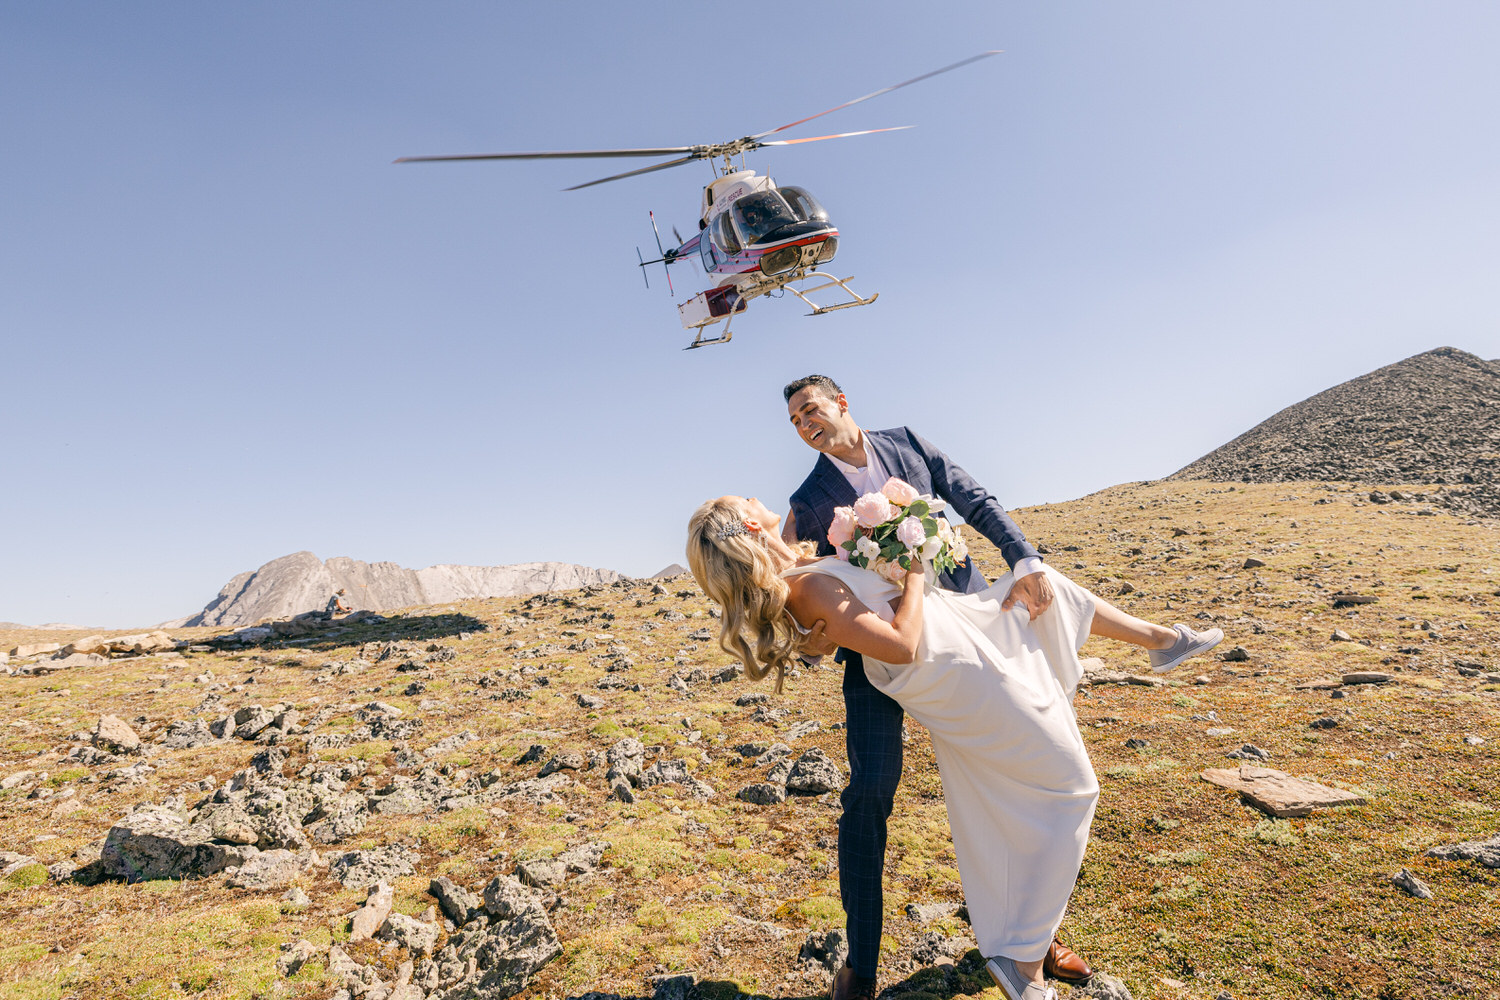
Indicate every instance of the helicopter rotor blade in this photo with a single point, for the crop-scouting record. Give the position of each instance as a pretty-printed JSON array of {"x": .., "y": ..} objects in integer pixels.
[
  {"x": 633, "y": 173},
  {"x": 885, "y": 90},
  {"x": 839, "y": 135},
  {"x": 553, "y": 155}
]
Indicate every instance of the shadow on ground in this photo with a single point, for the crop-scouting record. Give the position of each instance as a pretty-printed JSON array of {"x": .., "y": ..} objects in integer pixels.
[{"x": 315, "y": 633}]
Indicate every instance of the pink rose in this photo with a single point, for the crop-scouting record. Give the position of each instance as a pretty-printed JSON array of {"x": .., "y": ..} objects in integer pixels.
[
  {"x": 893, "y": 572},
  {"x": 911, "y": 533},
  {"x": 872, "y": 509},
  {"x": 842, "y": 528},
  {"x": 899, "y": 492}
]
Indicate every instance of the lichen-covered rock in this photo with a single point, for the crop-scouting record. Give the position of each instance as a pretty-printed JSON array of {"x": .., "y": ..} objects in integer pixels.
[
  {"x": 115, "y": 735},
  {"x": 459, "y": 904},
  {"x": 187, "y": 734},
  {"x": 814, "y": 773},
  {"x": 414, "y": 935},
  {"x": 360, "y": 869},
  {"x": 763, "y": 793},
  {"x": 156, "y": 842},
  {"x": 270, "y": 870}
]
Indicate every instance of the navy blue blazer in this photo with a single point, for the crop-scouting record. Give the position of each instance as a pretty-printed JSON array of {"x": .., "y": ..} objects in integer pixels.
[{"x": 907, "y": 456}]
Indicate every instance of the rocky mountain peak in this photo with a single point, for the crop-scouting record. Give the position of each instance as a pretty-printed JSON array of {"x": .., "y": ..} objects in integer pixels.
[
  {"x": 301, "y": 582},
  {"x": 1431, "y": 418}
]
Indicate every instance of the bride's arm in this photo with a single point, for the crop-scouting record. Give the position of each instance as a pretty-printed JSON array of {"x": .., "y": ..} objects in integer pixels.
[{"x": 856, "y": 627}]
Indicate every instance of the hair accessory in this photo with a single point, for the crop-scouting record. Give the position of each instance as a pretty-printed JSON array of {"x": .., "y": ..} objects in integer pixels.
[{"x": 731, "y": 529}]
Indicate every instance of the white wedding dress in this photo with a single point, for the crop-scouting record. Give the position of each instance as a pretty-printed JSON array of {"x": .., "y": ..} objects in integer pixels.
[{"x": 995, "y": 692}]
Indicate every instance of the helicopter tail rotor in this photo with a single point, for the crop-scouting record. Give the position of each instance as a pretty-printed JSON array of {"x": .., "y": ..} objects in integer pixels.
[{"x": 666, "y": 258}]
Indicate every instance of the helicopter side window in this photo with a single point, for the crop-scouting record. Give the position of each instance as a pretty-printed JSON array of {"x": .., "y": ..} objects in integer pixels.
[
  {"x": 725, "y": 236},
  {"x": 706, "y": 251},
  {"x": 804, "y": 206},
  {"x": 757, "y": 214}
]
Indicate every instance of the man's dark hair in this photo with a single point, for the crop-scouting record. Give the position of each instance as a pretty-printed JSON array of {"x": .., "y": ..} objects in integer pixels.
[{"x": 822, "y": 383}]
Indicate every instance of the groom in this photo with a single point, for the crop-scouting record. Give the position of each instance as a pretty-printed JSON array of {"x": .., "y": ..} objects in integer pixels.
[{"x": 854, "y": 462}]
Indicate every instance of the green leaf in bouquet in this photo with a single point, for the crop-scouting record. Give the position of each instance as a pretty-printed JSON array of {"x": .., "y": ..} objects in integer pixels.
[
  {"x": 918, "y": 508},
  {"x": 929, "y": 526}
]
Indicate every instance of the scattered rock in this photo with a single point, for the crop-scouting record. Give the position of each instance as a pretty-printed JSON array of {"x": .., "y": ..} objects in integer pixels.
[
  {"x": 763, "y": 793},
  {"x": 925, "y": 913},
  {"x": 113, "y": 734},
  {"x": 1277, "y": 792},
  {"x": 1239, "y": 654},
  {"x": 814, "y": 773},
  {"x": 459, "y": 904},
  {"x": 1411, "y": 885},
  {"x": 361, "y": 869},
  {"x": 416, "y": 936},
  {"x": 1486, "y": 852},
  {"x": 1249, "y": 751},
  {"x": 156, "y": 842},
  {"x": 1102, "y": 986},
  {"x": 1339, "y": 635},
  {"x": 824, "y": 950},
  {"x": 366, "y": 920},
  {"x": 1367, "y": 677},
  {"x": 272, "y": 869},
  {"x": 935, "y": 947}
]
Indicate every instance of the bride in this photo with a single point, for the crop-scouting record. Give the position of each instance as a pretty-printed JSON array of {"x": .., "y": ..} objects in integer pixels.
[{"x": 993, "y": 688}]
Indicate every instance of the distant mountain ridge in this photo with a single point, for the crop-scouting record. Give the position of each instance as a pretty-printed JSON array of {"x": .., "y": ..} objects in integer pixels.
[
  {"x": 1431, "y": 418},
  {"x": 302, "y": 582}
]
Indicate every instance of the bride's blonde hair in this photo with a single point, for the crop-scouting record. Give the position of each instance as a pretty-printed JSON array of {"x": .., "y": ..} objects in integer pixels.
[{"x": 736, "y": 569}]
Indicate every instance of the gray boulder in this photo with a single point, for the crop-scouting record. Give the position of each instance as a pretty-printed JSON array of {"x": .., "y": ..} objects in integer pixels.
[
  {"x": 763, "y": 793},
  {"x": 361, "y": 869},
  {"x": 505, "y": 954},
  {"x": 414, "y": 935},
  {"x": 814, "y": 773},
  {"x": 459, "y": 904},
  {"x": 542, "y": 873},
  {"x": 1486, "y": 852},
  {"x": 187, "y": 734},
  {"x": 115, "y": 735},
  {"x": 156, "y": 842},
  {"x": 270, "y": 870},
  {"x": 342, "y": 820}
]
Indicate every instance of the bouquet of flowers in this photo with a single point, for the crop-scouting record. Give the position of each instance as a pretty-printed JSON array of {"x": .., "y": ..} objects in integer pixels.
[{"x": 883, "y": 532}]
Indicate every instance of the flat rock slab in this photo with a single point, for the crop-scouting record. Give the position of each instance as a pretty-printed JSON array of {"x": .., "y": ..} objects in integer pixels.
[
  {"x": 1319, "y": 685},
  {"x": 1277, "y": 792}
]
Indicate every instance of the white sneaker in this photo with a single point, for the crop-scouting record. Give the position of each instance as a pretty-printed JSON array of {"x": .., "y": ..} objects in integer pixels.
[
  {"x": 1189, "y": 643},
  {"x": 1015, "y": 986}
]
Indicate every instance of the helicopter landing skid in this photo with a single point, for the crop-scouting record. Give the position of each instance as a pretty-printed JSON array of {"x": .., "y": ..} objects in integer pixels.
[
  {"x": 698, "y": 341},
  {"x": 818, "y": 310}
]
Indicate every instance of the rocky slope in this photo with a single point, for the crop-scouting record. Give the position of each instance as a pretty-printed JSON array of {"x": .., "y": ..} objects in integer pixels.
[
  {"x": 576, "y": 795},
  {"x": 1432, "y": 418},
  {"x": 302, "y": 582}
]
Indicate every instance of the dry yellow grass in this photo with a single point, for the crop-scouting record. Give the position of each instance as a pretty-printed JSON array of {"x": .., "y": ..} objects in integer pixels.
[{"x": 1184, "y": 893}]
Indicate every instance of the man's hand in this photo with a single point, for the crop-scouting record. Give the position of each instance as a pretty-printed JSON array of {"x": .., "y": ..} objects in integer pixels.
[
  {"x": 1034, "y": 591},
  {"x": 815, "y": 643}
]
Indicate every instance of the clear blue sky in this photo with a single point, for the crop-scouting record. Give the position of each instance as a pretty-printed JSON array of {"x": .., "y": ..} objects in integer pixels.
[{"x": 231, "y": 329}]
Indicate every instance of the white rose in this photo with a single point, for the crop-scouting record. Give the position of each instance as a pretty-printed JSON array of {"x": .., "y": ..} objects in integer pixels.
[
  {"x": 932, "y": 547},
  {"x": 867, "y": 548}
]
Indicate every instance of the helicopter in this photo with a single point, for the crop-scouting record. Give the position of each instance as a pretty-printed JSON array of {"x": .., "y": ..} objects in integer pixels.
[{"x": 754, "y": 236}]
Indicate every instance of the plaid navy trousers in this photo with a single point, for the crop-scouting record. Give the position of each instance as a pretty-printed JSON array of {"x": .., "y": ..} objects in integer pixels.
[{"x": 874, "y": 742}]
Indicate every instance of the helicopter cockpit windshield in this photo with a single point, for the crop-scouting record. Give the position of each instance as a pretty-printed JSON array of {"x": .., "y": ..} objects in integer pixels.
[
  {"x": 804, "y": 206},
  {"x": 757, "y": 214}
]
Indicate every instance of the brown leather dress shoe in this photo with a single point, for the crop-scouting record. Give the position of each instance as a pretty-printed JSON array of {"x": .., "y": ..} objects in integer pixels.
[
  {"x": 1065, "y": 964},
  {"x": 848, "y": 986}
]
